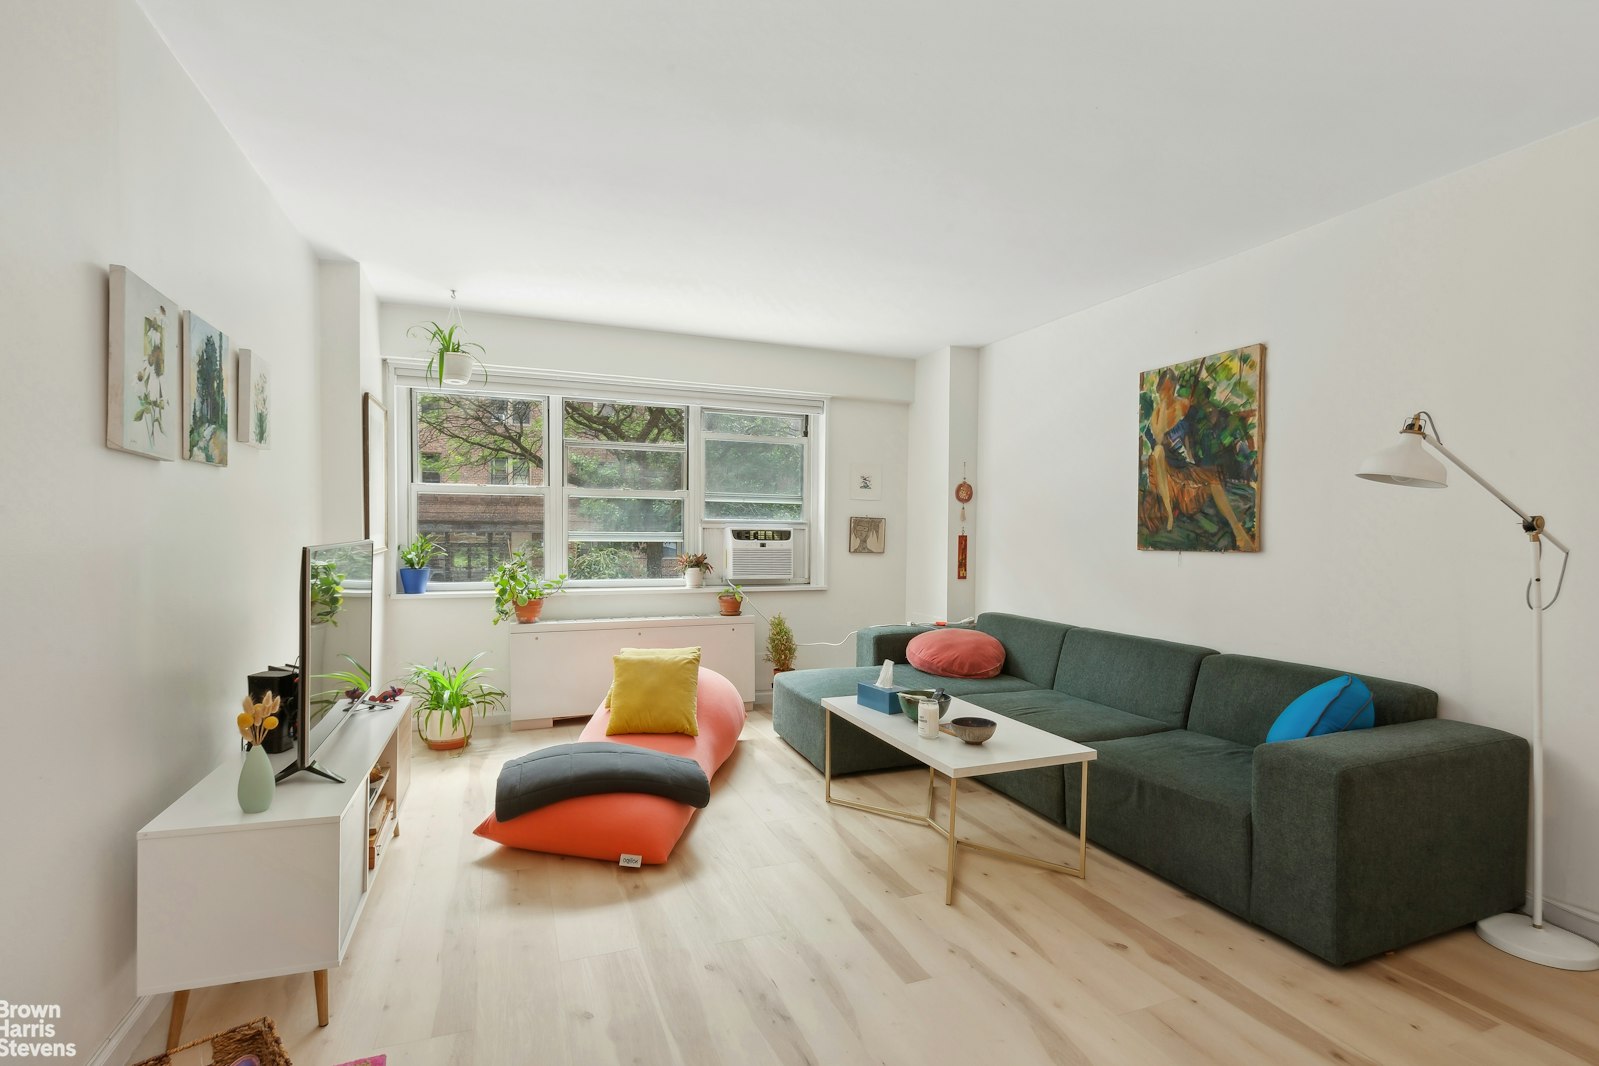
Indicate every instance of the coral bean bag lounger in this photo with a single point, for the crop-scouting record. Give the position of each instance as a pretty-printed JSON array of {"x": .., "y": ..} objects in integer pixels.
[{"x": 630, "y": 823}]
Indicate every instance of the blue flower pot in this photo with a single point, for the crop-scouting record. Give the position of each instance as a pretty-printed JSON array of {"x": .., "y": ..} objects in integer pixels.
[{"x": 414, "y": 580}]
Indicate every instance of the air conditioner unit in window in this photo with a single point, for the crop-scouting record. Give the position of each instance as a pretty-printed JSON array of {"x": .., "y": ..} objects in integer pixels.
[{"x": 753, "y": 554}]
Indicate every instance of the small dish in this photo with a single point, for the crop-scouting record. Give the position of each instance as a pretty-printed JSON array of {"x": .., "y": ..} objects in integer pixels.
[{"x": 971, "y": 730}]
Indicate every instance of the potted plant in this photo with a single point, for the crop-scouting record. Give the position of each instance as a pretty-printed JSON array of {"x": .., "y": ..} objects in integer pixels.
[
  {"x": 448, "y": 358},
  {"x": 695, "y": 566},
  {"x": 780, "y": 646},
  {"x": 731, "y": 599},
  {"x": 519, "y": 588},
  {"x": 414, "y": 560},
  {"x": 447, "y": 699}
]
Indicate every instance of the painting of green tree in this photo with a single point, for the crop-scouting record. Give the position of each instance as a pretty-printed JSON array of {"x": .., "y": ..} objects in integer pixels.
[
  {"x": 208, "y": 382},
  {"x": 1200, "y": 435}
]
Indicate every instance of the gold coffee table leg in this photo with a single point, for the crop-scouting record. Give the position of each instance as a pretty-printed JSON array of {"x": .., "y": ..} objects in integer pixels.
[{"x": 949, "y": 872}]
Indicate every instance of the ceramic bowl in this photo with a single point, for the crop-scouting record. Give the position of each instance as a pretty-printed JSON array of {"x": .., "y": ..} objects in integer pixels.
[
  {"x": 907, "y": 700},
  {"x": 972, "y": 730}
]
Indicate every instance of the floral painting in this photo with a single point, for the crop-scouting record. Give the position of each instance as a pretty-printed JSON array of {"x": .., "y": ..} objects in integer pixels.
[
  {"x": 255, "y": 400},
  {"x": 207, "y": 381},
  {"x": 1200, "y": 427},
  {"x": 142, "y": 371}
]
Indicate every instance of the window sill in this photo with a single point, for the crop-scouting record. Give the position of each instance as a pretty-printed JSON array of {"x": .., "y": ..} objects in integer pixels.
[{"x": 651, "y": 590}]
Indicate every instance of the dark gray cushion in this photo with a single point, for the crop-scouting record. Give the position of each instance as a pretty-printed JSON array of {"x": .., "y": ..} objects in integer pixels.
[
  {"x": 1150, "y": 678},
  {"x": 1238, "y": 697},
  {"x": 1179, "y": 804},
  {"x": 1032, "y": 645},
  {"x": 1052, "y": 791},
  {"x": 593, "y": 768}
]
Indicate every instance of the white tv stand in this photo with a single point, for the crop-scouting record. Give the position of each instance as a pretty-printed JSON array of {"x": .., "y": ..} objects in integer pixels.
[{"x": 304, "y": 864}]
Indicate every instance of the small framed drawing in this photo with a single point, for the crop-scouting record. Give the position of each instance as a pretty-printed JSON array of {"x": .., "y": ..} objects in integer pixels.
[
  {"x": 868, "y": 536},
  {"x": 375, "y": 471},
  {"x": 866, "y": 481},
  {"x": 142, "y": 392},
  {"x": 207, "y": 391},
  {"x": 255, "y": 400}
]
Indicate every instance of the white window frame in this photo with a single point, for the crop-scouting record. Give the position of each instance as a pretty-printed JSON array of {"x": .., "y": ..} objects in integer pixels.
[{"x": 700, "y": 534}]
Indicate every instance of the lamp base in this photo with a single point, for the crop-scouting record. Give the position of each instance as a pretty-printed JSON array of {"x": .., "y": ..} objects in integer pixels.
[{"x": 1549, "y": 946}]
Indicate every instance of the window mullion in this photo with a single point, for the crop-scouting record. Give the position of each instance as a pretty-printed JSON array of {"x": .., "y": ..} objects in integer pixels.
[
  {"x": 555, "y": 477},
  {"x": 694, "y": 506}
]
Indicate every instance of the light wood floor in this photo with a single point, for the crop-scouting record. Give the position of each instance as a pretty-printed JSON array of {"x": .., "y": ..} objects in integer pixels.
[{"x": 786, "y": 931}]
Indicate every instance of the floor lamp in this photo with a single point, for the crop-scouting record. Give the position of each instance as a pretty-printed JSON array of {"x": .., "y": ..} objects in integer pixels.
[{"x": 1407, "y": 463}]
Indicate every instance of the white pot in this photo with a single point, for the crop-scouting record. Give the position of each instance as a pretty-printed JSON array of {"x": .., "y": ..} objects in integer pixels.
[
  {"x": 441, "y": 733},
  {"x": 694, "y": 577},
  {"x": 457, "y": 368}
]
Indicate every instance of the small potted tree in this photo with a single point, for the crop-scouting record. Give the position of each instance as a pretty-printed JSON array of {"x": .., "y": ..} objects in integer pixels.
[
  {"x": 695, "y": 566},
  {"x": 520, "y": 588},
  {"x": 447, "y": 700},
  {"x": 414, "y": 560},
  {"x": 448, "y": 357},
  {"x": 780, "y": 646},
  {"x": 731, "y": 600}
]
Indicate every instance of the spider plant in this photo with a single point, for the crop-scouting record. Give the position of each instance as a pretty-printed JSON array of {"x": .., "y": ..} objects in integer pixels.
[
  {"x": 445, "y": 340},
  {"x": 447, "y": 695}
]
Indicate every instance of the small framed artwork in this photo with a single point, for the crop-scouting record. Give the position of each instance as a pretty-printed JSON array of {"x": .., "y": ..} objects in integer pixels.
[
  {"x": 255, "y": 400},
  {"x": 142, "y": 393},
  {"x": 866, "y": 481},
  {"x": 868, "y": 536},
  {"x": 375, "y": 471},
  {"x": 207, "y": 386}
]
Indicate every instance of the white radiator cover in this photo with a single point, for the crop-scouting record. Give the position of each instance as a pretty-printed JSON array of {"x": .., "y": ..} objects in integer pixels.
[{"x": 563, "y": 669}]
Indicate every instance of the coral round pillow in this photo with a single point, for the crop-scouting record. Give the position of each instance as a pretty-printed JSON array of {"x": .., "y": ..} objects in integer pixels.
[{"x": 956, "y": 653}]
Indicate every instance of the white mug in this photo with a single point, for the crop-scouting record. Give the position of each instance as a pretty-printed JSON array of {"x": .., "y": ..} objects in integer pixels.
[{"x": 926, "y": 717}]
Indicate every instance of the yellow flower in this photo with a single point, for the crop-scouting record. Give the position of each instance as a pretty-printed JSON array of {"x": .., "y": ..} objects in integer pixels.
[
  {"x": 270, "y": 723},
  {"x": 245, "y": 722}
]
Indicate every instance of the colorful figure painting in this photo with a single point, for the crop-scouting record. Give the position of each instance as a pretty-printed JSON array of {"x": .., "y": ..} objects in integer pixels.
[
  {"x": 142, "y": 377},
  {"x": 1200, "y": 437},
  {"x": 207, "y": 384}
]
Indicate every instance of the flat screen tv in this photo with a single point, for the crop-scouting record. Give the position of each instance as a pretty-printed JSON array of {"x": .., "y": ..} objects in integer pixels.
[{"x": 336, "y": 598}]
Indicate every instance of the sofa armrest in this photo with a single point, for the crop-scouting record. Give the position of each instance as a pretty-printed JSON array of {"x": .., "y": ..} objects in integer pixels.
[
  {"x": 876, "y": 643},
  {"x": 1369, "y": 840}
]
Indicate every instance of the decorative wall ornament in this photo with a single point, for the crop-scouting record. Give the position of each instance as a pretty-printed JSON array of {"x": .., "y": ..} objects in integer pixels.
[
  {"x": 866, "y": 481},
  {"x": 207, "y": 386},
  {"x": 142, "y": 369},
  {"x": 868, "y": 536},
  {"x": 1200, "y": 437},
  {"x": 255, "y": 400}
]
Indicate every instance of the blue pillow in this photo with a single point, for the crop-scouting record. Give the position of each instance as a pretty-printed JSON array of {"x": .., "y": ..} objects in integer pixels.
[{"x": 1331, "y": 707}]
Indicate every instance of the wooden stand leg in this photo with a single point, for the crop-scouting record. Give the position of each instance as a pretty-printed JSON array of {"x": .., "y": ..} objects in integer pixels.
[
  {"x": 321, "y": 980},
  {"x": 180, "y": 1005}
]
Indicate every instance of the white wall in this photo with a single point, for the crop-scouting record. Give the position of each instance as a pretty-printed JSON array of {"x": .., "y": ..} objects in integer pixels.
[
  {"x": 943, "y": 445},
  {"x": 1472, "y": 297},
  {"x": 137, "y": 594},
  {"x": 866, "y": 420}
]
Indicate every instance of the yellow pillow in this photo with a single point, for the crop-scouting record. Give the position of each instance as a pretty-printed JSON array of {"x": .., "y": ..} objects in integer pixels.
[{"x": 653, "y": 690}]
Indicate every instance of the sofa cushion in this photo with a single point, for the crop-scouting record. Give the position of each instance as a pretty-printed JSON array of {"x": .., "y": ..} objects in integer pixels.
[
  {"x": 1335, "y": 706},
  {"x": 1177, "y": 803},
  {"x": 1052, "y": 790},
  {"x": 956, "y": 653},
  {"x": 1238, "y": 697},
  {"x": 907, "y": 676},
  {"x": 1150, "y": 678},
  {"x": 1032, "y": 645}
]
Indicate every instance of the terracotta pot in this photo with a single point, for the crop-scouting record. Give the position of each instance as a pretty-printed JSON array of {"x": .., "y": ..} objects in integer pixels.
[
  {"x": 731, "y": 605},
  {"x": 529, "y": 611},
  {"x": 781, "y": 670}
]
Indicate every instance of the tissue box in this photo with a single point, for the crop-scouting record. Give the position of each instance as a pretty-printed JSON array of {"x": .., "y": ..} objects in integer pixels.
[{"x": 879, "y": 698}]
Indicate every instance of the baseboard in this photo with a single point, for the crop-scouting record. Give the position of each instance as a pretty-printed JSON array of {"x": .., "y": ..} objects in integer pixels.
[
  {"x": 123, "y": 1043},
  {"x": 1571, "y": 918}
]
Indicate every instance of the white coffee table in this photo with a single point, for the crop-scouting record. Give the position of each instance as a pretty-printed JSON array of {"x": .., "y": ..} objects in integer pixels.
[{"x": 1014, "y": 746}]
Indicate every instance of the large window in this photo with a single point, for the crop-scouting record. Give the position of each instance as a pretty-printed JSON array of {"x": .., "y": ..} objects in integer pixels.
[{"x": 604, "y": 485}]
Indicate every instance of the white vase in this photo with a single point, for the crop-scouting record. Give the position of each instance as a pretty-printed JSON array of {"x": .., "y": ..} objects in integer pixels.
[
  {"x": 694, "y": 577},
  {"x": 457, "y": 368}
]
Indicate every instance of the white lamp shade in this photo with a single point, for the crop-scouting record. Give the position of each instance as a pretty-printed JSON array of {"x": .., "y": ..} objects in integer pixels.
[{"x": 1405, "y": 463}]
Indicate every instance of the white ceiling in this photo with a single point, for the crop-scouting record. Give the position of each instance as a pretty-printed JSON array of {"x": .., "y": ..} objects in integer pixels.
[{"x": 885, "y": 176}]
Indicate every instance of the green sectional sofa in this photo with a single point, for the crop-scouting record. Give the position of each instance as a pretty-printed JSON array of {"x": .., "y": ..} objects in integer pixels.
[{"x": 1347, "y": 845}]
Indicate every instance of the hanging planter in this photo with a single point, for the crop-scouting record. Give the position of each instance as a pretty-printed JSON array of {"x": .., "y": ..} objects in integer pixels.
[{"x": 450, "y": 358}]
